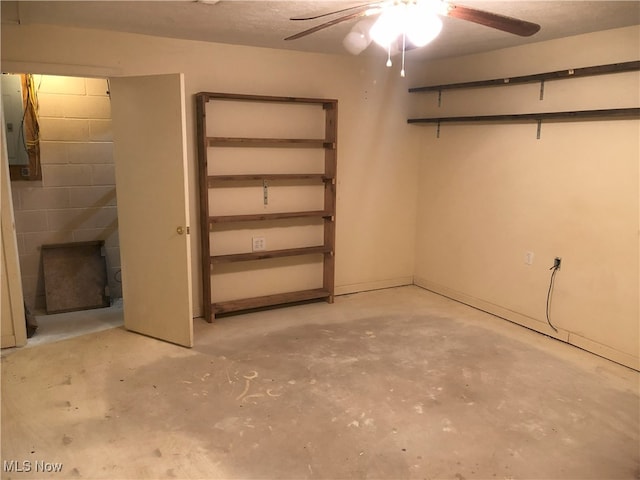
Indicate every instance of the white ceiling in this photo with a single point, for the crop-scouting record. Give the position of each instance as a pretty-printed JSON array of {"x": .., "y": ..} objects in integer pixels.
[{"x": 266, "y": 23}]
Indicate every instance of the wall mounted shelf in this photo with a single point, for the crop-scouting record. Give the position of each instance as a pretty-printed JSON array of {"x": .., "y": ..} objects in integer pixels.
[
  {"x": 523, "y": 117},
  {"x": 610, "y": 113},
  {"x": 538, "y": 77},
  {"x": 207, "y": 146}
]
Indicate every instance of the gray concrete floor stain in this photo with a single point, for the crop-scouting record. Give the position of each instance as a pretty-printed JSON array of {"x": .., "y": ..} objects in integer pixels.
[{"x": 393, "y": 384}]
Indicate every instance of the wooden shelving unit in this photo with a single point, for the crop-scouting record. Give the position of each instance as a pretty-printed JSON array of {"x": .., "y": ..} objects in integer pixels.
[{"x": 206, "y": 154}]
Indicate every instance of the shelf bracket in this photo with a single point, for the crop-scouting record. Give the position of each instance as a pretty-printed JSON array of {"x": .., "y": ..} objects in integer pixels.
[
  {"x": 438, "y": 130},
  {"x": 541, "y": 89},
  {"x": 265, "y": 192},
  {"x": 439, "y": 98}
]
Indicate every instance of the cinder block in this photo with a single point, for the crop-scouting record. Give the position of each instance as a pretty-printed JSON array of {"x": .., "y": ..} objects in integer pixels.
[
  {"x": 108, "y": 234},
  {"x": 112, "y": 239},
  {"x": 95, "y": 152},
  {"x": 74, "y": 106},
  {"x": 53, "y": 153},
  {"x": 30, "y": 291},
  {"x": 97, "y": 86},
  {"x": 106, "y": 217},
  {"x": 60, "y": 84},
  {"x": 65, "y": 129},
  {"x": 40, "y": 302},
  {"x": 73, "y": 219},
  {"x": 101, "y": 131},
  {"x": 51, "y": 105},
  {"x": 66, "y": 175},
  {"x": 31, "y": 221},
  {"x": 103, "y": 174},
  {"x": 115, "y": 282},
  {"x": 99, "y": 107},
  {"x": 31, "y": 265},
  {"x": 20, "y": 242},
  {"x": 87, "y": 235},
  {"x": 44, "y": 198},
  {"x": 33, "y": 241},
  {"x": 113, "y": 257},
  {"x": 94, "y": 196},
  {"x": 69, "y": 220}
]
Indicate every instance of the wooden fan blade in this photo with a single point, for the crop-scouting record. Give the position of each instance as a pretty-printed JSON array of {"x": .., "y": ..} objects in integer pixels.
[
  {"x": 331, "y": 23},
  {"x": 493, "y": 20},
  {"x": 342, "y": 10}
]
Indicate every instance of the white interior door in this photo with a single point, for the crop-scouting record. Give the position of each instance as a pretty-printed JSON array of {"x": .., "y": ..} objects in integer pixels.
[{"x": 153, "y": 217}]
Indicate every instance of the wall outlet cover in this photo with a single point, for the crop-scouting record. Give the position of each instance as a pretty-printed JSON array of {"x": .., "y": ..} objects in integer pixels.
[
  {"x": 258, "y": 244},
  {"x": 528, "y": 258}
]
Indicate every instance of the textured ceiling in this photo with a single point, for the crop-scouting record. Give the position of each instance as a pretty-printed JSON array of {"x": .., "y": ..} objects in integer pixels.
[{"x": 266, "y": 23}]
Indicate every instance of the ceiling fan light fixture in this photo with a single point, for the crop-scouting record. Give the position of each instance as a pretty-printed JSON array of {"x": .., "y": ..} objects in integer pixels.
[
  {"x": 389, "y": 26},
  {"x": 422, "y": 25},
  {"x": 411, "y": 20},
  {"x": 417, "y": 20},
  {"x": 355, "y": 42},
  {"x": 358, "y": 39}
]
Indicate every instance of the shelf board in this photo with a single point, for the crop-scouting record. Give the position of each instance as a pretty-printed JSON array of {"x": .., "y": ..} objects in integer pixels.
[
  {"x": 270, "y": 142},
  {"x": 266, "y": 99},
  {"x": 289, "y": 252},
  {"x": 268, "y": 176},
  {"x": 538, "y": 77},
  {"x": 269, "y": 300},
  {"x": 573, "y": 115},
  {"x": 268, "y": 216}
]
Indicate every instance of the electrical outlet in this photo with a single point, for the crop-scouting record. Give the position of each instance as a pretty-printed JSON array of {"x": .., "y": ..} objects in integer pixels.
[
  {"x": 556, "y": 263},
  {"x": 258, "y": 244},
  {"x": 528, "y": 258}
]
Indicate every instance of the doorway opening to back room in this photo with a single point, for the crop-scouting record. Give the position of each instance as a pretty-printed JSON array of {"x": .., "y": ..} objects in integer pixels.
[{"x": 67, "y": 220}]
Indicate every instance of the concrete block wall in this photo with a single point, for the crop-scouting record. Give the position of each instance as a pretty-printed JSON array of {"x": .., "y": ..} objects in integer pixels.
[{"x": 76, "y": 199}]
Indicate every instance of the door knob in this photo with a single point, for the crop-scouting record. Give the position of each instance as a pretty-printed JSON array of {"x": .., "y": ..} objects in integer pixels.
[{"x": 180, "y": 230}]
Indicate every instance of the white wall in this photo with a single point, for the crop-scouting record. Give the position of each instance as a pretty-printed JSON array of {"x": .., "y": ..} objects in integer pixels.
[
  {"x": 376, "y": 204},
  {"x": 489, "y": 193}
]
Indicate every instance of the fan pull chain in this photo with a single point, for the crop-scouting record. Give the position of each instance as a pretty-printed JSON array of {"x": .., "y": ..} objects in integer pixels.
[{"x": 389, "y": 57}]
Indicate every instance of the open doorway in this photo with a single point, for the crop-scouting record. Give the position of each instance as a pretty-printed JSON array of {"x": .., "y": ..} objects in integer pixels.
[
  {"x": 74, "y": 201},
  {"x": 148, "y": 117}
]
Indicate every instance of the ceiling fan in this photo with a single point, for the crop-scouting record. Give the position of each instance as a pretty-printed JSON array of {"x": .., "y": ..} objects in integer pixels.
[{"x": 400, "y": 25}]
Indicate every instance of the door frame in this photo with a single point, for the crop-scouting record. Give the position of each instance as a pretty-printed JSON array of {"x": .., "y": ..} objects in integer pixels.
[{"x": 85, "y": 71}]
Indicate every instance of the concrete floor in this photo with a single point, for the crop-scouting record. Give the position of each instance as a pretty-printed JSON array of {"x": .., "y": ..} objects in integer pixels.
[
  {"x": 397, "y": 383},
  {"x": 61, "y": 326}
]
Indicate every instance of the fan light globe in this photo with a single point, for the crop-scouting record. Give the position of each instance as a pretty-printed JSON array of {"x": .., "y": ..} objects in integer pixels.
[
  {"x": 417, "y": 21},
  {"x": 421, "y": 25},
  {"x": 388, "y": 26},
  {"x": 355, "y": 42}
]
